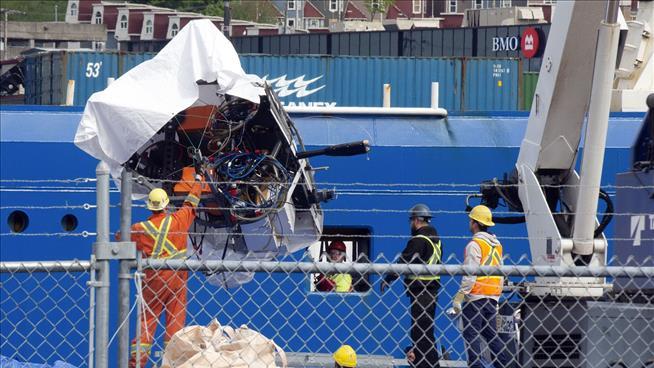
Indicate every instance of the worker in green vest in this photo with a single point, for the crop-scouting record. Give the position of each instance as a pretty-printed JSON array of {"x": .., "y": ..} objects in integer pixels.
[
  {"x": 424, "y": 247},
  {"x": 338, "y": 282}
]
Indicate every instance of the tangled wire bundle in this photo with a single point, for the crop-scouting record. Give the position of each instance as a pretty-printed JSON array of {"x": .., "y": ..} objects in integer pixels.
[{"x": 257, "y": 184}]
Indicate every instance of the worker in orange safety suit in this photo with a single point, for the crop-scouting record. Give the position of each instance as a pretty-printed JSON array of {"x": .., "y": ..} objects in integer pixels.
[{"x": 163, "y": 236}]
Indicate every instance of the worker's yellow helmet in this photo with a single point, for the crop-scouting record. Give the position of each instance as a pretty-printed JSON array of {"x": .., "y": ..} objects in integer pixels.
[
  {"x": 157, "y": 200},
  {"x": 345, "y": 356},
  {"x": 482, "y": 215}
]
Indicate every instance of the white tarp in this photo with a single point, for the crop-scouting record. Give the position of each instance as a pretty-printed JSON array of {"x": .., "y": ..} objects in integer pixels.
[{"x": 122, "y": 118}]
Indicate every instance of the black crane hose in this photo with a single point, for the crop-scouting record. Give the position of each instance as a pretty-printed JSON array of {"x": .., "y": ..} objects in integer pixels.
[
  {"x": 608, "y": 213},
  {"x": 606, "y": 218}
]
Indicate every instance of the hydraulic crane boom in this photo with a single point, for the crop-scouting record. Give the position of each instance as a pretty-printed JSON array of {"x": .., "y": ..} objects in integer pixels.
[{"x": 574, "y": 89}]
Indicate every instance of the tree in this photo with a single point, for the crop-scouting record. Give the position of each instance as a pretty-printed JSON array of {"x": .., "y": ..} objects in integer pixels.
[
  {"x": 378, "y": 6},
  {"x": 206, "y": 7},
  {"x": 256, "y": 11}
]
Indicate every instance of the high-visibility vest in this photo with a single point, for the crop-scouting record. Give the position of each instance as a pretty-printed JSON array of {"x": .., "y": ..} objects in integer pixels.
[
  {"x": 434, "y": 259},
  {"x": 342, "y": 282},
  {"x": 163, "y": 247},
  {"x": 491, "y": 255}
]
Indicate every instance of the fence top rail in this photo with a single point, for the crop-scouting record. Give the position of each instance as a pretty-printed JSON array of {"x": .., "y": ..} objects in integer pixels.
[
  {"x": 45, "y": 266},
  {"x": 394, "y": 268}
]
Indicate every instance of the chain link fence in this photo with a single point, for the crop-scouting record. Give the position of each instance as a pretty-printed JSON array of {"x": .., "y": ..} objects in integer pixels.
[
  {"x": 45, "y": 310},
  {"x": 545, "y": 317},
  {"x": 533, "y": 330}
]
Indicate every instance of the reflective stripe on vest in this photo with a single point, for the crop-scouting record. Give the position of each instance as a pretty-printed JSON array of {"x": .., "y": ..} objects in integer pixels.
[
  {"x": 193, "y": 200},
  {"x": 491, "y": 255},
  {"x": 435, "y": 258},
  {"x": 161, "y": 241},
  {"x": 143, "y": 347}
]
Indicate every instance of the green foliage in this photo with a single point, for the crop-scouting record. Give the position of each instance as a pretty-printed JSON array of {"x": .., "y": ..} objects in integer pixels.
[
  {"x": 384, "y": 5},
  {"x": 256, "y": 11},
  {"x": 206, "y": 7},
  {"x": 198, "y": 6},
  {"x": 36, "y": 10}
]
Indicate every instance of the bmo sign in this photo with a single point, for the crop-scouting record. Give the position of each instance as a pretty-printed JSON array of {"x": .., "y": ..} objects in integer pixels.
[{"x": 528, "y": 42}]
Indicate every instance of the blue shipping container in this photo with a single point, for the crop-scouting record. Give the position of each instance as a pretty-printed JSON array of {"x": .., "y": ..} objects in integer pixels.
[
  {"x": 128, "y": 61},
  {"x": 358, "y": 81},
  {"x": 47, "y": 75},
  {"x": 491, "y": 85},
  {"x": 90, "y": 70},
  {"x": 464, "y": 84}
]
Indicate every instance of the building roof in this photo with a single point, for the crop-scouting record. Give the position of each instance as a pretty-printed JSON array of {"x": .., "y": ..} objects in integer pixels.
[
  {"x": 356, "y": 11},
  {"x": 311, "y": 11},
  {"x": 394, "y": 12}
]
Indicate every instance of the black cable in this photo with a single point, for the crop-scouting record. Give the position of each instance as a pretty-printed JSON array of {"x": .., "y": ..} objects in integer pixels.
[{"x": 608, "y": 213}]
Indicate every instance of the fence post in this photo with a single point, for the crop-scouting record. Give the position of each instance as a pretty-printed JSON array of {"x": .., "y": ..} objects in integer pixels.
[
  {"x": 102, "y": 267},
  {"x": 124, "y": 275}
]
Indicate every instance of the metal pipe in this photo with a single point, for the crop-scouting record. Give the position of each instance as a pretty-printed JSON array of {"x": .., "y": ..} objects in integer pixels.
[
  {"x": 387, "y": 96},
  {"x": 227, "y": 18},
  {"x": 102, "y": 294},
  {"x": 70, "y": 93},
  {"x": 353, "y": 110},
  {"x": 91, "y": 285},
  {"x": 595, "y": 140},
  {"x": 45, "y": 266},
  {"x": 402, "y": 269},
  {"x": 124, "y": 275},
  {"x": 434, "y": 95},
  {"x": 612, "y": 9}
]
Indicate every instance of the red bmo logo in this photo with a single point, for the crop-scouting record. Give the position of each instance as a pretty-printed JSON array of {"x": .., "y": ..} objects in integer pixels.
[{"x": 530, "y": 42}]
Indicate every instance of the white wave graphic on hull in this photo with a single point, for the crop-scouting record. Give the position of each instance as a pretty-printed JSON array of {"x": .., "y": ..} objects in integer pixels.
[{"x": 296, "y": 86}]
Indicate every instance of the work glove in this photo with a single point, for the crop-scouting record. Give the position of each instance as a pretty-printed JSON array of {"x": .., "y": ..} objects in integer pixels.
[
  {"x": 456, "y": 303},
  {"x": 198, "y": 177}
]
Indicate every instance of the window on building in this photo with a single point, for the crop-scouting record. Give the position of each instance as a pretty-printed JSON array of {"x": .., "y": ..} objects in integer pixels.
[
  {"x": 375, "y": 5},
  {"x": 148, "y": 27},
  {"x": 452, "y": 6},
  {"x": 123, "y": 21},
  {"x": 417, "y": 6},
  {"x": 290, "y": 23},
  {"x": 506, "y": 3},
  {"x": 478, "y": 4},
  {"x": 357, "y": 245},
  {"x": 174, "y": 29},
  {"x": 313, "y": 23},
  {"x": 290, "y": 4},
  {"x": 73, "y": 9},
  {"x": 333, "y": 5},
  {"x": 98, "y": 18}
]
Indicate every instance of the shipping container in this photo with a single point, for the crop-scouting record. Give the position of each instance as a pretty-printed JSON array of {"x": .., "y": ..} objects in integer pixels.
[
  {"x": 91, "y": 71},
  {"x": 485, "y": 42},
  {"x": 47, "y": 75},
  {"x": 306, "y": 80},
  {"x": 491, "y": 85},
  {"x": 529, "y": 81},
  {"x": 128, "y": 61},
  {"x": 358, "y": 81}
]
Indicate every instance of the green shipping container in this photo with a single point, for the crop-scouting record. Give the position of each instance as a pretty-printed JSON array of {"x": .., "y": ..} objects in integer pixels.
[{"x": 529, "y": 81}]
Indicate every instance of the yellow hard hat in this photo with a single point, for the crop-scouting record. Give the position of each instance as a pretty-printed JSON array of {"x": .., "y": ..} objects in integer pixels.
[
  {"x": 157, "y": 199},
  {"x": 482, "y": 215},
  {"x": 345, "y": 356}
]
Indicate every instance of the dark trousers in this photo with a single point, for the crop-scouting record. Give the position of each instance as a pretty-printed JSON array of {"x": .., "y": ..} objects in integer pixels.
[
  {"x": 479, "y": 320},
  {"x": 423, "y": 311}
]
